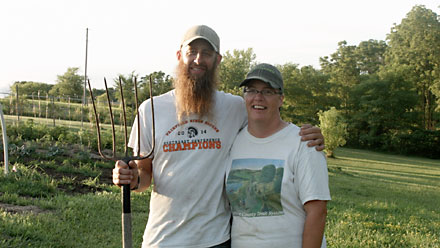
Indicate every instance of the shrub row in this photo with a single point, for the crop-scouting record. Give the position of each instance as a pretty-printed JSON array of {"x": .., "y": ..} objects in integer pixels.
[{"x": 424, "y": 143}]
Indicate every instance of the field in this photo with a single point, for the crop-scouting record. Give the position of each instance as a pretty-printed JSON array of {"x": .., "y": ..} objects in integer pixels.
[
  {"x": 381, "y": 200},
  {"x": 378, "y": 200}
]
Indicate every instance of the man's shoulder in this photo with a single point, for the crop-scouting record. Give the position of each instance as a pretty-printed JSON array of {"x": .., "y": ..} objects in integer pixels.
[
  {"x": 226, "y": 94},
  {"x": 166, "y": 95},
  {"x": 165, "y": 98},
  {"x": 233, "y": 99}
]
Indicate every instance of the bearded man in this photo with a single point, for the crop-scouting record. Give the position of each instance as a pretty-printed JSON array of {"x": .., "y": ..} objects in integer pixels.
[{"x": 195, "y": 128}]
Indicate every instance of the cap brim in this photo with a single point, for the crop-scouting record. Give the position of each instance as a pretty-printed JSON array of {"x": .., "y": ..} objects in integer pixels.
[
  {"x": 244, "y": 82},
  {"x": 258, "y": 78},
  {"x": 186, "y": 43}
]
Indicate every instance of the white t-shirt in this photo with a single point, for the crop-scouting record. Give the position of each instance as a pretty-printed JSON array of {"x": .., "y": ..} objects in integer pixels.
[
  {"x": 268, "y": 182},
  {"x": 188, "y": 206}
]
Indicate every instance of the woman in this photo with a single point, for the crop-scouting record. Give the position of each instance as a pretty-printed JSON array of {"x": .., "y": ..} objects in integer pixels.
[{"x": 277, "y": 186}]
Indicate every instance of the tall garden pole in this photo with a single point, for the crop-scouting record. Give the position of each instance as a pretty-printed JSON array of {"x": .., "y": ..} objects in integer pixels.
[{"x": 85, "y": 76}]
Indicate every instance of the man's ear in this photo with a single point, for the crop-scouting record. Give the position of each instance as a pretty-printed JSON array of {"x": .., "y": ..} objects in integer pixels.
[
  {"x": 219, "y": 58},
  {"x": 179, "y": 55}
]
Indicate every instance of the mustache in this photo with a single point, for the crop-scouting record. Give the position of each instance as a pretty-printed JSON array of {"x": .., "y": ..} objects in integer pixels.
[
  {"x": 203, "y": 66},
  {"x": 194, "y": 95}
]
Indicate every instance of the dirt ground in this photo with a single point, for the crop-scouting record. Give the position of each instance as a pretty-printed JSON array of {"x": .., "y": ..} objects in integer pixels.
[
  {"x": 77, "y": 187},
  {"x": 16, "y": 209}
]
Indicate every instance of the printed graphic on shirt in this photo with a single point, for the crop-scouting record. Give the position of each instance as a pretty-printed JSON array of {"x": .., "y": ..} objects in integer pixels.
[
  {"x": 254, "y": 187},
  {"x": 194, "y": 134}
]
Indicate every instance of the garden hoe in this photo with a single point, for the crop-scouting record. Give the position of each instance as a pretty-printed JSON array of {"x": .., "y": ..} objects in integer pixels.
[{"x": 126, "y": 208}]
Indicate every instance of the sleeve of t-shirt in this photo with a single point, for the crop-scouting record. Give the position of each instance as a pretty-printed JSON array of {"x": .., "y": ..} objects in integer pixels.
[
  {"x": 145, "y": 129},
  {"x": 312, "y": 174}
]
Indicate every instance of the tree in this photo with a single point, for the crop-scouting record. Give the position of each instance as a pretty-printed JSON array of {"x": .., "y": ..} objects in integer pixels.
[
  {"x": 28, "y": 88},
  {"x": 234, "y": 67},
  {"x": 414, "y": 50},
  {"x": 267, "y": 173},
  {"x": 344, "y": 73},
  {"x": 68, "y": 84},
  {"x": 370, "y": 56},
  {"x": 334, "y": 129},
  {"x": 305, "y": 93},
  {"x": 127, "y": 84},
  {"x": 99, "y": 92},
  {"x": 162, "y": 83},
  {"x": 436, "y": 91},
  {"x": 101, "y": 95},
  {"x": 383, "y": 108}
]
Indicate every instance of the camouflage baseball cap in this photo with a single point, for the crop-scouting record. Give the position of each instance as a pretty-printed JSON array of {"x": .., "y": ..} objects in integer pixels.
[
  {"x": 201, "y": 32},
  {"x": 266, "y": 73}
]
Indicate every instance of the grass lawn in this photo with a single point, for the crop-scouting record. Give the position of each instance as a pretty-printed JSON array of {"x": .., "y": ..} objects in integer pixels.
[
  {"x": 382, "y": 200},
  {"x": 378, "y": 200}
]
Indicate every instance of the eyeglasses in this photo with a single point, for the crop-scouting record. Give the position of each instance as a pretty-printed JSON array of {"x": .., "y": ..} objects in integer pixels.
[{"x": 264, "y": 92}]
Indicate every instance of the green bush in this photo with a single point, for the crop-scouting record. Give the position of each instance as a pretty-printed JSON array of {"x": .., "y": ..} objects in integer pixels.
[
  {"x": 334, "y": 129},
  {"x": 31, "y": 131},
  {"x": 424, "y": 143}
]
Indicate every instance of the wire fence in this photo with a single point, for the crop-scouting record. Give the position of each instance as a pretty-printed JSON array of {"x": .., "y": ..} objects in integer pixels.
[{"x": 61, "y": 110}]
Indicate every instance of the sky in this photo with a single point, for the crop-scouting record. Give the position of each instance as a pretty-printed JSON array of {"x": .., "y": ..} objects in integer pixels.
[{"x": 40, "y": 39}]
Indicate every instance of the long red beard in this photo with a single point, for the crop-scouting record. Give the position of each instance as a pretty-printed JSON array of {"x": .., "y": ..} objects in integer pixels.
[{"x": 194, "y": 95}]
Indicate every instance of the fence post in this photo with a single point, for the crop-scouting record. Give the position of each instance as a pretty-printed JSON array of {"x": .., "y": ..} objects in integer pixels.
[
  {"x": 5, "y": 141},
  {"x": 47, "y": 107},
  {"x": 11, "y": 108},
  {"x": 33, "y": 105},
  {"x": 53, "y": 110},
  {"x": 39, "y": 105},
  {"x": 69, "y": 112},
  {"x": 16, "y": 103},
  {"x": 82, "y": 114}
]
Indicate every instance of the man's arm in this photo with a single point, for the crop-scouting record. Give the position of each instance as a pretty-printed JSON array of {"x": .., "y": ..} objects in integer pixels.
[
  {"x": 145, "y": 171},
  {"x": 142, "y": 169},
  {"x": 313, "y": 135},
  {"x": 315, "y": 223}
]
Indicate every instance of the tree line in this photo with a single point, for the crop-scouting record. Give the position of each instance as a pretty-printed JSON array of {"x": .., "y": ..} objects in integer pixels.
[{"x": 386, "y": 92}]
